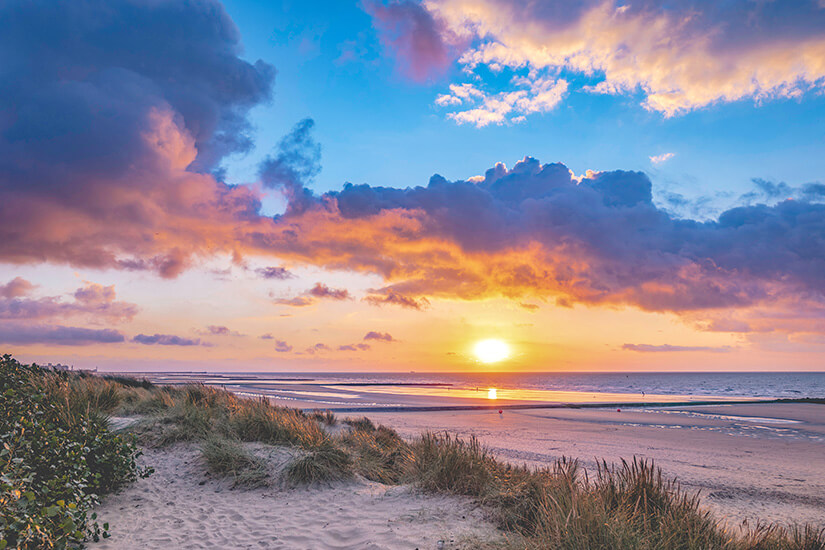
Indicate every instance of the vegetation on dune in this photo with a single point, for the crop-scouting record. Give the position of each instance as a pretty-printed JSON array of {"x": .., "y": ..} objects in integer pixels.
[
  {"x": 229, "y": 458},
  {"x": 627, "y": 506},
  {"x": 57, "y": 456},
  {"x": 327, "y": 462}
]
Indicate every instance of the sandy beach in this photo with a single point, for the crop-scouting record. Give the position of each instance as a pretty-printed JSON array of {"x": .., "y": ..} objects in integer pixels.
[
  {"x": 750, "y": 462},
  {"x": 179, "y": 506}
]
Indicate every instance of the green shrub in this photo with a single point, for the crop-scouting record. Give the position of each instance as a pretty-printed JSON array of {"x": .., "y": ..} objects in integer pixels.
[{"x": 57, "y": 457}]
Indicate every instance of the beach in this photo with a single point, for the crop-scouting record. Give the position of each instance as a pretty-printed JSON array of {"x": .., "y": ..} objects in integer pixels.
[
  {"x": 179, "y": 507},
  {"x": 750, "y": 462}
]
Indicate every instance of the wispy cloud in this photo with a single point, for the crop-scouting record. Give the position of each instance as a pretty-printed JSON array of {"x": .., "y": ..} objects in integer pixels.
[
  {"x": 659, "y": 159},
  {"x": 318, "y": 292},
  {"x": 664, "y": 348},
  {"x": 274, "y": 272},
  {"x": 166, "y": 340},
  {"x": 24, "y": 334}
]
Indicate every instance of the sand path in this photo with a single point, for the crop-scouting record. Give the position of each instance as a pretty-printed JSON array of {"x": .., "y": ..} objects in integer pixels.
[{"x": 171, "y": 509}]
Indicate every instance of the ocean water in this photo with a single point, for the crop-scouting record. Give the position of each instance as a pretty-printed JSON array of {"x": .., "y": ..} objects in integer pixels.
[{"x": 336, "y": 390}]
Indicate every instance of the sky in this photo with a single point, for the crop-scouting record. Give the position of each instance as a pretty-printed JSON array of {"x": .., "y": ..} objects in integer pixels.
[{"x": 379, "y": 185}]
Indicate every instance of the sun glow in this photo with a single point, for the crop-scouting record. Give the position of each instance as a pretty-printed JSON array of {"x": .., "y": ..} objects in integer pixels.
[
  {"x": 491, "y": 351},
  {"x": 492, "y": 393}
]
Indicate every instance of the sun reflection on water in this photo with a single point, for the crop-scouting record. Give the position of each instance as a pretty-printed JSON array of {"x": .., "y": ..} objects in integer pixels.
[{"x": 491, "y": 393}]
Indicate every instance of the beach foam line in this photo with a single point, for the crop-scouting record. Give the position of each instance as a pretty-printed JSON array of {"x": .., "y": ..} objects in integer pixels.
[{"x": 627, "y": 405}]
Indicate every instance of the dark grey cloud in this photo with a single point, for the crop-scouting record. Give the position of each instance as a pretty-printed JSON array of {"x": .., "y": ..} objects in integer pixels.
[
  {"x": 166, "y": 340},
  {"x": 25, "y": 334}
]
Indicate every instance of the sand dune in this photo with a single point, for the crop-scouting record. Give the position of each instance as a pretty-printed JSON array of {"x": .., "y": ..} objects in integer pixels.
[{"x": 172, "y": 509}]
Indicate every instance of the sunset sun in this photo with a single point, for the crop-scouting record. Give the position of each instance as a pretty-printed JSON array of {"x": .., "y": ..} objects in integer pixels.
[{"x": 491, "y": 351}]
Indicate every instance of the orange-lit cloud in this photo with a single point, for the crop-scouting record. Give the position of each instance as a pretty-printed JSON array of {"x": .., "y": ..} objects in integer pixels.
[{"x": 680, "y": 55}]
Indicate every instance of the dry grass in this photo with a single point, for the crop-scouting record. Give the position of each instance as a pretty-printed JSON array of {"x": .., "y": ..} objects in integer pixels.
[
  {"x": 326, "y": 463},
  {"x": 225, "y": 457}
]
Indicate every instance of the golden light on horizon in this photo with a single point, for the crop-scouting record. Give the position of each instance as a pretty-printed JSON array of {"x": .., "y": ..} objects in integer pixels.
[
  {"x": 491, "y": 350},
  {"x": 492, "y": 393}
]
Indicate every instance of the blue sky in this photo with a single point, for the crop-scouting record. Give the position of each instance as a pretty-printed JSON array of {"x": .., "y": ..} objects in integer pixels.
[{"x": 376, "y": 126}]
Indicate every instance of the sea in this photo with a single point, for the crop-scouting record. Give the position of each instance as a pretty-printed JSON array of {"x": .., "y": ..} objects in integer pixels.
[{"x": 356, "y": 391}]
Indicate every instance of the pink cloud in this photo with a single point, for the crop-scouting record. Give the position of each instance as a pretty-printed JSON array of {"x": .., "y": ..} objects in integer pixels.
[{"x": 414, "y": 35}]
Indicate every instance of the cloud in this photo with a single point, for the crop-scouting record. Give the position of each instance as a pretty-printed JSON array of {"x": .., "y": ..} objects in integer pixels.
[
  {"x": 535, "y": 231},
  {"x": 111, "y": 158},
  {"x": 529, "y": 307},
  {"x": 321, "y": 290},
  {"x": 528, "y": 97},
  {"x": 166, "y": 340},
  {"x": 317, "y": 348},
  {"x": 679, "y": 56},
  {"x": 24, "y": 334},
  {"x": 298, "y": 301},
  {"x": 219, "y": 330},
  {"x": 414, "y": 35},
  {"x": 659, "y": 159},
  {"x": 266, "y": 336},
  {"x": 648, "y": 348},
  {"x": 280, "y": 273},
  {"x": 393, "y": 298},
  {"x": 293, "y": 167},
  {"x": 282, "y": 347},
  {"x": 318, "y": 292},
  {"x": 379, "y": 336},
  {"x": 96, "y": 302},
  {"x": 360, "y": 346},
  {"x": 110, "y": 148},
  {"x": 16, "y": 288}
]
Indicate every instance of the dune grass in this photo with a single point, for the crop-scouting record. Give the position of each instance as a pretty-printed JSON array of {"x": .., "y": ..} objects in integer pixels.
[
  {"x": 630, "y": 505},
  {"x": 226, "y": 457},
  {"x": 327, "y": 462}
]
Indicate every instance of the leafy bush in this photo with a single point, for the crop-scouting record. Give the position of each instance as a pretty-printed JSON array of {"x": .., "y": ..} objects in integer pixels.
[{"x": 57, "y": 457}]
